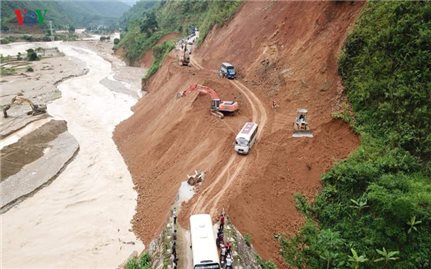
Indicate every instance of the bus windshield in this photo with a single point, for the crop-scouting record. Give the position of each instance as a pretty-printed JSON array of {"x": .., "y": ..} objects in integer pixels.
[{"x": 242, "y": 142}]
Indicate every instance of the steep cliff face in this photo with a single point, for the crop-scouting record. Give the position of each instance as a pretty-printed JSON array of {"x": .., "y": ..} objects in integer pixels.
[{"x": 284, "y": 51}]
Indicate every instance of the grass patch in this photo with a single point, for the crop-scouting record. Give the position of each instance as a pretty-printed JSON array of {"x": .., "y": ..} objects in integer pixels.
[
  {"x": 4, "y": 71},
  {"x": 142, "y": 262}
]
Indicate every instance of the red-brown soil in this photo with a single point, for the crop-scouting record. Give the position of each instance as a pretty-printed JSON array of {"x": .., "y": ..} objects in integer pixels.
[
  {"x": 148, "y": 57},
  {"x": 284, "y": 51}
]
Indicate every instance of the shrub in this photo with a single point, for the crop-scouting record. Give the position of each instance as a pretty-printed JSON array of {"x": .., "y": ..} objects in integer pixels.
[
  {"x": 142, "y": 262},
  {"x": 32, "y": 55},
  {"x": 247, "y": 239}
]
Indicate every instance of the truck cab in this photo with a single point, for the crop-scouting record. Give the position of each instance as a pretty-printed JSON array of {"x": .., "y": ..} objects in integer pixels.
[{"x": 227, "y": 70}]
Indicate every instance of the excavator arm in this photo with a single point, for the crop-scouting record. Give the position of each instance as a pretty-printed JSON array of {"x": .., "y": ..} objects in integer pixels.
[
  {"x": 19, "y": 100},
  {"x": 217, "y": 106},
  {"x": 201, "y": 89}
]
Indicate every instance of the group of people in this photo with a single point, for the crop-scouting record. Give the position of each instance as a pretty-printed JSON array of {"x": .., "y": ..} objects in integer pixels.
[
  {"x": 174, "y": 258},
  {"x": 226, "y": 259}
]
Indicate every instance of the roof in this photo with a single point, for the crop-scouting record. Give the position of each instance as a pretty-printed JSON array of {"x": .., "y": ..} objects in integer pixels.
[
  {"x": 227, "y": 64},
  {"x": 247, "y": 130}
]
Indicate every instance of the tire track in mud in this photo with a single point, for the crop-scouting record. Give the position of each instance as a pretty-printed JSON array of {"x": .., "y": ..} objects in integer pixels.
[{"x": 205, "y": 202}]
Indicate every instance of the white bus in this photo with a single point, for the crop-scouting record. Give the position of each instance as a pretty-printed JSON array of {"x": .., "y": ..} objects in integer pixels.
[
  {"x": 204, "y": 248},
  {"x": 246, "y": 138}
]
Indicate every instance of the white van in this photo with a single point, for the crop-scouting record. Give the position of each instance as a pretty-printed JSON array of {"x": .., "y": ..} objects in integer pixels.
[{"x": 246, "y": 138}]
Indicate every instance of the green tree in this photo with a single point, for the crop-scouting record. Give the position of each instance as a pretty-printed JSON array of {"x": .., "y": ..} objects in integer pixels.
[
  {"x": 149, "y": 23},
  {"x": 32, "y": 55},
  {"x": 356, "y": 260},
  {"x": 387, "y": 256},
  {"x": 412, "y": 224},
  {"x": 329, "y": 244},
  {"x": 359, "y": 204}
]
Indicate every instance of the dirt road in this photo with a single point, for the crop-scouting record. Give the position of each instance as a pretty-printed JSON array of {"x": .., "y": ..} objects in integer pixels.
[
  {"x": 82, "y": 219},
  {"x": 208, "y": 199}
]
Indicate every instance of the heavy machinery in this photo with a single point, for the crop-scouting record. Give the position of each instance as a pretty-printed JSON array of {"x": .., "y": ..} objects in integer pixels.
[
  {"x": 19, "y": 100},
  {"x": 218, "y": 107},
  {"x": 183, "y": 55},
  {"x": 198, "y": 177},
  {"x": 227, "y": 70},
  {"x": 300, "y": 126}
]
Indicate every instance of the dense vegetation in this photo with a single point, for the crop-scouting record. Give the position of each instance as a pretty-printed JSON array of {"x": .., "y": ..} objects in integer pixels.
[
  {"x": 149, "y": 21},
  {"x": 136, "y": 12},
  {"x": 375, "y": 208},
  {"x": 66, "y": 13}
]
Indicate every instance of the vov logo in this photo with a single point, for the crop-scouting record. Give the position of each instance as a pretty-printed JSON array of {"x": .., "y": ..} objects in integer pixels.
[{"x": 30, "y": 17}]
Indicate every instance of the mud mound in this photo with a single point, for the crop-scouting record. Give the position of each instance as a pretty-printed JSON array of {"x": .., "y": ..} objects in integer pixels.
[
  {"x": 30, "y": 148},
  {"x": 284, "y": 51}
]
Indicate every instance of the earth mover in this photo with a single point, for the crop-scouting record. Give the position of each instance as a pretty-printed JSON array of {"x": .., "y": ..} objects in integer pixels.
[
  {"x": 19, "y": 100},
  {"x": 218, "y": 108},
  {"x": 183, "y": 54},
  {"x": 300, "y": 126}
]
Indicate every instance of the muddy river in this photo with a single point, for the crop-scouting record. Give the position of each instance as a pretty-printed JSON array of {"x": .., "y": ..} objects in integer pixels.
[{"x": 82, "y": 219}]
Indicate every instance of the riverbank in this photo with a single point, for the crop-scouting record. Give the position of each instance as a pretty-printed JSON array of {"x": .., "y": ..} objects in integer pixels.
[{"x": 82, "y": 218}]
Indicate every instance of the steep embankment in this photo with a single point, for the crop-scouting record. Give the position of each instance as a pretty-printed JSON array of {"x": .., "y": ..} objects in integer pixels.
[
  {"x": 148, "y": 57},
  {"x": 285, "y": 51}
]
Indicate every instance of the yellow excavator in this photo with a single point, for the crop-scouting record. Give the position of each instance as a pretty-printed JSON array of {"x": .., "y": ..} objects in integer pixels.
[{"x": 19, "y": 99}]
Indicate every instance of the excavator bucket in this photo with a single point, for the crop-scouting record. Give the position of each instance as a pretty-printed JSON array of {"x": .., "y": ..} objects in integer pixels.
[{"x": 302, "y": 133}]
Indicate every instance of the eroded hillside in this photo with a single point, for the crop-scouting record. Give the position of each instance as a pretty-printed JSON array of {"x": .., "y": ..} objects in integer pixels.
[{"x": 284, "y": 51}]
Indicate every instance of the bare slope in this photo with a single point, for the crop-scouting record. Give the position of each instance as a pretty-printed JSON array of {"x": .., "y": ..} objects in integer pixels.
[{"x": 285, "y": 51}]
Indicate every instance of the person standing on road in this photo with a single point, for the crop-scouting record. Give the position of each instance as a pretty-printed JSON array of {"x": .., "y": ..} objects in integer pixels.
[
  {"x": 228, "y": 248},
  {"x": 229, "y": 262},
  {"x": 223, "y": 254},
  {"x": 222, "y": 222},
  {"x": 174, "y": 235},
  {"x": 174, "y": 215}
]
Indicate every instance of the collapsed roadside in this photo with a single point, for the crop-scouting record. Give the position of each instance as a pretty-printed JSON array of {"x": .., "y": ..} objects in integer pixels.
[{"x": 283, "y": 59}]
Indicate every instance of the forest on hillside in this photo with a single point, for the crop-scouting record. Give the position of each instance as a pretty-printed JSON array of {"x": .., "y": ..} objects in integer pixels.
[
  {"x": 66, "y": 13},
  {"x": 147, "y": 22},
  {"x": 375, "y": 207}
]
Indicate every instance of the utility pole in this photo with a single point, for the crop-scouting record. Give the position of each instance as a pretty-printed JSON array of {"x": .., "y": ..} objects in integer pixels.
[{"x": 50, "y": 29}]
